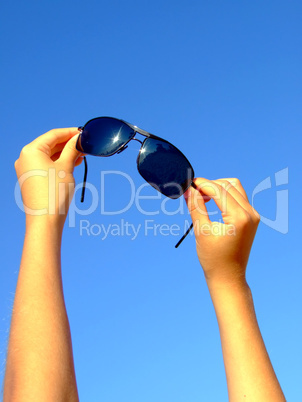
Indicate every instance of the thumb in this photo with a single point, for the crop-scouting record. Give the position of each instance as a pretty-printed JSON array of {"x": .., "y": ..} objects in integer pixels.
[
  {"x": 70, "y": 154},
  {"x": 196, "y": 204}
]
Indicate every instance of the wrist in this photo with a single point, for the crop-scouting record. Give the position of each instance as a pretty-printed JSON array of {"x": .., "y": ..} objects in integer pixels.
[
  {"x": 220, "y": 286},
  {"x": 45, "y": 223},
  {"x": 233, "y": 302}
]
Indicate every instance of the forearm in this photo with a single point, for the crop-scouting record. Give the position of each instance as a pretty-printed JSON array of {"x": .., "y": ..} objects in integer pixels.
[
  {"x": 40, "y": 361},
  {"x": 249, "y": 372}
]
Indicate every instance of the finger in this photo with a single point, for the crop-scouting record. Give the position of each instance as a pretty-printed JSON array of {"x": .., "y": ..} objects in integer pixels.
[
  {"x": 57, "y": 149},
  {"x": 195, "y": 200},
  {"x": 229, "y": 207},
  {"x": 236, "y": 192},
  {"x": 205, "y": 197},
  {"x": 54, "y": 137},
  {"x": 70, "y": 154},
  {"x": 79, "y": 160},
  {"x": 235, "y": 183}
]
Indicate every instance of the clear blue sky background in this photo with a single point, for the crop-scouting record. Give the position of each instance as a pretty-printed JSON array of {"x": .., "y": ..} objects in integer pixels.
[{"x": 222, "y": 81}]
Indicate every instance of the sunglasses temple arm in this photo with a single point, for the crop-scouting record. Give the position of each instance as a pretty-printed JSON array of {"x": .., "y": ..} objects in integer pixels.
[
  {"x": 84, "y": 180},
  {"x": 184, "y": 236},
  {"x": 191, "y": 226}
]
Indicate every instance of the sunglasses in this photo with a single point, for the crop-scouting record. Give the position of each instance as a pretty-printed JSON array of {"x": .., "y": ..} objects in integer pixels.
[{"x": 160, "y": 163}]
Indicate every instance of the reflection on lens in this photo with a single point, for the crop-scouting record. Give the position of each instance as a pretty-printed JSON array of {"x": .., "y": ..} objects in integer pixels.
[
  {"x": 104, "y": 136},
  {"x": 165, "y": 167}
]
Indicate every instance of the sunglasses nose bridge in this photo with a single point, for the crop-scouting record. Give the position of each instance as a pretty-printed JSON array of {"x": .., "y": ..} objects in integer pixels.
[
  {"x": 126, "y": 146},
  {"x": 136, "y": 139}
]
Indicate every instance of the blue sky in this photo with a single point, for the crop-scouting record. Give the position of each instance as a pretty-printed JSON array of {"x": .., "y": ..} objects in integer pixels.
[{"x": 222, "y": 81}]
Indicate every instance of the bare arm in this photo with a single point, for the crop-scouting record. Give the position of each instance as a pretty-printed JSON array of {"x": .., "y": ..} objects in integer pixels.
[
  {"x": 40, "y": 361},
  {"x": 223, "y": 250}
]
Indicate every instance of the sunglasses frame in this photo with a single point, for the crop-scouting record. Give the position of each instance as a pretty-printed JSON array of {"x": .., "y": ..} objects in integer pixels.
[{"x": 136, "y": 130}]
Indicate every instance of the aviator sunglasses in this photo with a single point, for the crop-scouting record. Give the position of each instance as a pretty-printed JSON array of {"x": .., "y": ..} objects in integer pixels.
[{"x": 160, "y": 163}]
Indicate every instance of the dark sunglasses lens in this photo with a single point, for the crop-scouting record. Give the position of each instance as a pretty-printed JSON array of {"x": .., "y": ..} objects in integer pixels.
[
  {"x": 104, "y": 136},
  {"x": 165, "y": 167}
]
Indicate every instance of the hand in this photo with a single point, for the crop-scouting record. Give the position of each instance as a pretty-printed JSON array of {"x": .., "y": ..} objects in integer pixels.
[
  {"x": 223, "y": 247},
  {"x": 45, "y": 174}
]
